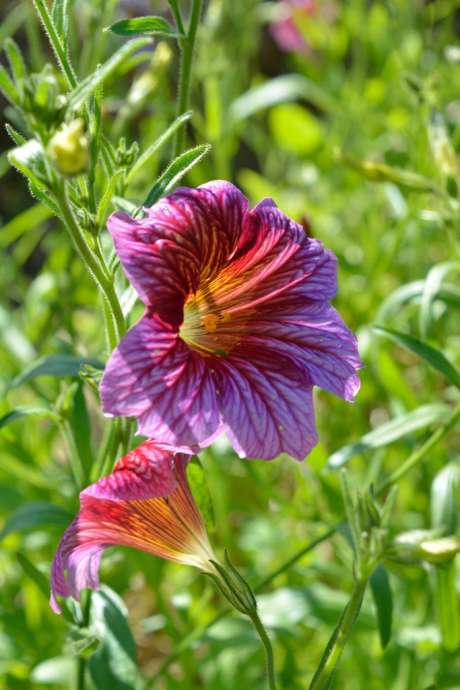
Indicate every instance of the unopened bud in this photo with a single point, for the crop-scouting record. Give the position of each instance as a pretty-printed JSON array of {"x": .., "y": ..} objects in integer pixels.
[{"x": 68, "y": 148}]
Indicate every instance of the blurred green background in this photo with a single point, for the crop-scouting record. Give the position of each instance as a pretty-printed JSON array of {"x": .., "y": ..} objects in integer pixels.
[{"x": 370, "y": 83}]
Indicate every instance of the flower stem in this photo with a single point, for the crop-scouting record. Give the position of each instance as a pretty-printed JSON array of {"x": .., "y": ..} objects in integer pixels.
[
  {"x": 81, "y": 669},
  {"x": 115, "y": 321},
  {"x": 186, "y": 45},
  {"x": 258, "y": 625},
  {"x": 331, "y": 656}
]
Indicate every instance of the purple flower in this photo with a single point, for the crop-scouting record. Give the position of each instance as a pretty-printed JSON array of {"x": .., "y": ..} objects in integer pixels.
[
  {"x": 237, "y": 329},
  {"x": 145, "y": 503}
]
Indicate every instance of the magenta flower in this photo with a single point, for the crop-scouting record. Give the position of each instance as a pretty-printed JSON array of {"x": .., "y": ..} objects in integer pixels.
[
  {"x": 145, "y": 503},
  {"x": 237, "y": 329},
  {"x": 285, "y": 29}
]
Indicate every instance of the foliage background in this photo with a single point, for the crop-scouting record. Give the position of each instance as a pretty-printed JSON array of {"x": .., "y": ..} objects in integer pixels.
[{"x": 352, "y": 95}]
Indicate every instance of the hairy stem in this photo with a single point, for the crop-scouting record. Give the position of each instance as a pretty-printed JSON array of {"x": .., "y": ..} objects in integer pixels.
[{"x": 115, "y": 321}]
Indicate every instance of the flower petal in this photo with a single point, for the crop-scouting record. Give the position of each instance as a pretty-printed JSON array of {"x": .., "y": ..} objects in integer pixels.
[
  {"x": 155, "y": 377},
  {"x": 266, "y": 405},
  {"x": 186, "y": 235},
  {"x": 316, "y": 339},
  {"x": 145, "y": 472}
]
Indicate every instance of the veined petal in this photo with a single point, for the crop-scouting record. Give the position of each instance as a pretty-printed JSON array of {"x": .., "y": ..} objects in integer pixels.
[
  {"x": 185, "y": 237},
  {"x": 145, "y": 504},
  {"x": 155, "y": 377},
  {"x": 316, "y": 338},
  {"x": 266, "y": 405}
]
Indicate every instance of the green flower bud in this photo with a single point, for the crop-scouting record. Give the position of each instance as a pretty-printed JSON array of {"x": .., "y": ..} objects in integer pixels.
[{"x": 68, "y": 148}]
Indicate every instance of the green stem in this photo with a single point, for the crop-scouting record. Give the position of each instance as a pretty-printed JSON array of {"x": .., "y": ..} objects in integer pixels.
[
  {"x": 81, "y": 669},
  {"x": 175, "y": 9},
  {"x": 258, "y": 625},
  {"x": 116, "y": 323},
  {"x": 186, "y": 47},
  {"x": 418, "y": 454},
  {"x": 447, "y": 605},
  {"x": 76, "y": 464},
  {"x": 331, "y": 656}
]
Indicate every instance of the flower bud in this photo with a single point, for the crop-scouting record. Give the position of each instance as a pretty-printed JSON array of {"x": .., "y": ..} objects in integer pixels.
[{"x": 68, "y": 148}]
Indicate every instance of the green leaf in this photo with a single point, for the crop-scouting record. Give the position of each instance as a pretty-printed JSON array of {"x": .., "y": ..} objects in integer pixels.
[
  {"x": 383, "y": 600},
  {"x": 445, "y": 498},
  {"x": 391, "y": 431},
  {"x": 113, "y": 665},
  {"x": 17, "y": 138},
  {"x": 25, "y": 411},
  {"x": 433, "y": 356},
  {"x": 431, "y": 287},
  {"x": 143, "y": 25},
  {"x": 7, "y": 87},
  {"x": 29, "y": 160},
  {"x": 199, "y": 487},
  {"x": 107, "y": 197},
  {"x": 22, "y": 223},
  {"x": 54, "y": 365},
  {"x": 60, "y": 16},
  {"x": 33, "y": 515},
  {"x": 17, "y": 66},
  {"x": 441, "y": 146},
  {"x": 35, "y": 575},
  {"x": 87, "y": 87},
  {"x": 289, "y": 87},
  {"x": 175, "y": 171},
  {"x": 146, "y": 156},
  {"x": 81, "y": 428}
]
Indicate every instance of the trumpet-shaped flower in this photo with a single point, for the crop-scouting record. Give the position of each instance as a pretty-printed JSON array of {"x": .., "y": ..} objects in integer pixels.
[
  {"x": 237, "y": 329},
  {"x": 145, "y": 503}
]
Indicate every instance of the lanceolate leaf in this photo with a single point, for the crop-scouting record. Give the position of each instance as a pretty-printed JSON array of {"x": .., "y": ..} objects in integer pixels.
[
  {"x": 113, "y": 665},
  {"x": 145, "y": 157},
  {"x": 431, "y": 287},
  {"x": 387, "y": 433},
  {"x": 143, "y": 25},
  {"x": 82, "y": 92},
  {"x": 55, "y": 365},
  {"x": 383, "y": 600},
  {"x": 24, "y": 411},
  {"x": 34, "y": 515},
  {"x": 434, "y": 357},
  {"x": 173, "y": 173}
]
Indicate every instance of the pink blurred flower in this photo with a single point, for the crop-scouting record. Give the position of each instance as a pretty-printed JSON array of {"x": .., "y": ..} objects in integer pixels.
[
  {"x": 145, "y": 503},
  {"x": 237, "y": 328},
  {"x": 285, "y": 29}
]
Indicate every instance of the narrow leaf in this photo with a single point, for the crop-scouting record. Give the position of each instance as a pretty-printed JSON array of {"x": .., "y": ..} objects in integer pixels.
[
  {"x": 35, "y": 575},
  {"x": 431, "y": 287},
  {"x": 7, "y": 87},
  {"x": 383, "y": 600},
  {"x": 33, "y": 515},
  {"x": 17, "y": 138},
  {"x": 29, "y": 160},
  {"x": 84, "y": 90},
  {"x": 145, "y": 157},
  {"x": 54, "y": 365},
  {"x": 391, "y": 431},
  {"x": 431, "y": 355},
  {"x": 113, "y": 665},
  {"x": 289, "y": 87},
  {"x": 17, "y": 66},
  {"x": 25, "y": 411},
  {"x": 175, "y": 171},
  {"x": 107, "y": 197},
  {"x": 143, "y": 25}
]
